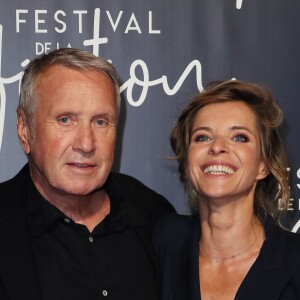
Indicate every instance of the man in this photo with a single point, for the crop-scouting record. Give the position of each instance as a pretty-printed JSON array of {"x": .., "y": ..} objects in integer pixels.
[{"x": 70, "y": 228}]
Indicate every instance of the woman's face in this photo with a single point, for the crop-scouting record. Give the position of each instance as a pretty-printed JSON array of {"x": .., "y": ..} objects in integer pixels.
[{"x": 224, "y": 161}]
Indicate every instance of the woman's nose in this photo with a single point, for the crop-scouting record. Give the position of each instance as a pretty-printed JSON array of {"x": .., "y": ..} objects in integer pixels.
[{"x": 218, "y": 145}]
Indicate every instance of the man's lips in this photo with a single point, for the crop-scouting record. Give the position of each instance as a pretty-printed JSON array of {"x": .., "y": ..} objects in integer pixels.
[{"x": 81, "y": 165}]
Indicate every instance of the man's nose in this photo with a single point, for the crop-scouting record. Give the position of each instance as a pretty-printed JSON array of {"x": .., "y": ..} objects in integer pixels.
[{"x": 84, "y": 139}]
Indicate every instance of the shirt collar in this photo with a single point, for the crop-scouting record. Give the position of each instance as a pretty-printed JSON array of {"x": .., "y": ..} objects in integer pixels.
[
  {"x": 42, "y": 214},
  {"x": 123, "y": 212}
]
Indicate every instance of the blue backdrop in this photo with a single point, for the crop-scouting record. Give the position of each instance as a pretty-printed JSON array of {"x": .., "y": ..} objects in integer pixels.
[{"x": 165, "y": 51}]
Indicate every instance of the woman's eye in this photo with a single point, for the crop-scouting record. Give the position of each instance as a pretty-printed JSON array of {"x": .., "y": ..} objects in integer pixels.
[
  {"x": 241, "y": 138},
  {"x": 202, "y": 138}
]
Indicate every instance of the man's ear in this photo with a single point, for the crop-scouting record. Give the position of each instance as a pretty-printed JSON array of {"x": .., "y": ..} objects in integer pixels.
[{"x": 23, "y": 131}]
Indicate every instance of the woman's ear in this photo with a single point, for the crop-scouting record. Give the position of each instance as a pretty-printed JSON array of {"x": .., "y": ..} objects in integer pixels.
[
  {"x": 263, "y": 171},
  {"x": 23, "y": 131}
]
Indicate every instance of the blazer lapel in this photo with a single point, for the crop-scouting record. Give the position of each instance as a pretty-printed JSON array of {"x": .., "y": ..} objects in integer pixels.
[
  {"x": 269, "y": 275},
  {"x": 261, "y": 284},
  {"x": 185, "y": 263},
  {"x": 186, "y": 287}
]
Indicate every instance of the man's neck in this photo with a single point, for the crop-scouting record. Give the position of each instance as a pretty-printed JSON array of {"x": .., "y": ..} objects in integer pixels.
[{"x": 88, "y": 210}]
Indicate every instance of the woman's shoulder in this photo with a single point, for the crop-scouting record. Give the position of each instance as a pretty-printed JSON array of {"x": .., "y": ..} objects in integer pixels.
[
  {"x": 173, "y": 230},
  {"x": 285, "y": 244},
  {"x": 292, "y": 242},
  {"x": 274, "y": 228}
]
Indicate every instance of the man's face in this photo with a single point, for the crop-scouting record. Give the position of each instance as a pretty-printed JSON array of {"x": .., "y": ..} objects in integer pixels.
[{"x": 71, "y": 150}]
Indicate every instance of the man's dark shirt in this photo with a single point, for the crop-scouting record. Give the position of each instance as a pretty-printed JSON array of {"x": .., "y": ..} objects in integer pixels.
[{"x": 115, "y": 261}]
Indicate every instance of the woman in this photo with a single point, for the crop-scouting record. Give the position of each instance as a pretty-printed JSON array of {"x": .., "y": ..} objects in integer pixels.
[{"x": 233, "y": 164}]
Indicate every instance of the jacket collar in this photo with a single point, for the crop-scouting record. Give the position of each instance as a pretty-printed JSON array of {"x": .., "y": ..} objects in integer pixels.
[
  {"x": 269, "y": 275},
  {"x": 186, "y": 262},
  {"x": 269, "y": 268}
]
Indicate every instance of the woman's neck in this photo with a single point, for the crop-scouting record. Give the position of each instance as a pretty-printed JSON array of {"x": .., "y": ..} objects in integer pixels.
[{"x": 228, "y": 231}]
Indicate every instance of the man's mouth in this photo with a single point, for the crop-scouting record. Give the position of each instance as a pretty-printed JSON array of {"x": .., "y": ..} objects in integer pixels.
[{"x": 81, "y": 165}]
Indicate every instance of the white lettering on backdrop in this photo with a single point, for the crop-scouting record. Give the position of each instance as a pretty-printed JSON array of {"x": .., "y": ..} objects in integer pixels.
[
  {"x": 296, "y": 227},
  {"x": 239, "y": 4},
  {"x": 144, "y": 81},
  {"x": 3, "y": 81}
]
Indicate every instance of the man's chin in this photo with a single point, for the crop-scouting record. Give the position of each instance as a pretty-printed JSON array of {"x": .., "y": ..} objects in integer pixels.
[{"x": 80, "y": 191}]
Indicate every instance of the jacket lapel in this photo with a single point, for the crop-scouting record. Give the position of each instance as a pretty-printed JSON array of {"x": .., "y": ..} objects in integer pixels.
[
  {"x": 186, "y": 263},
  {"x": 185, "y": 287},
  {"x": 261, "y": 284},
  {"x": 269, "y": 275},
  {"x": 267, "y": 278}
]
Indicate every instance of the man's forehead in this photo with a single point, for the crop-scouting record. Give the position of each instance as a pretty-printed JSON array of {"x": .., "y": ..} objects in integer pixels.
[
  {"x": 67, "y": 89},
  {"x": 60, "y": 70}
]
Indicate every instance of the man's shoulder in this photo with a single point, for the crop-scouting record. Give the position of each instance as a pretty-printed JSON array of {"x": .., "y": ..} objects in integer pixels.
[
  {"x": 128, "y": 182},
  {"x": 7, "y": 190},
  {"x": 143, "y": 205},
  {"x": 182, "y": 224},
  {"x": 138, "y": 194},
  {"x": 12, "y": 189},
  {"x": 175, "y": 231}
]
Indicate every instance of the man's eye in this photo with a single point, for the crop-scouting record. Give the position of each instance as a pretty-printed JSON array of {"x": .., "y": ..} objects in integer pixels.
[
  {"x": 101, "y": 123},
  {"x": 64, "y": 120},
  {"x": 241, "y": 138},
  {"x": 202, "y": 138}
]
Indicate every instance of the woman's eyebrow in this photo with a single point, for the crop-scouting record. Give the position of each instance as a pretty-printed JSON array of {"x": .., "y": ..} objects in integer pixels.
[
  {"x": 206, "y": 128},
  {"x": 235, "y": 127}
]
